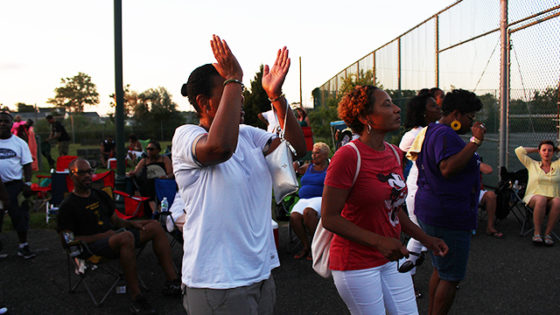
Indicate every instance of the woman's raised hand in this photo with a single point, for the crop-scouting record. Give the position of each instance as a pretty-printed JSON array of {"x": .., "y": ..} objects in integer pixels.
[
  {"x": 227, "y": 65},
  {"x": 273, "y": 79},
  {"x": 478, "y": 130}
]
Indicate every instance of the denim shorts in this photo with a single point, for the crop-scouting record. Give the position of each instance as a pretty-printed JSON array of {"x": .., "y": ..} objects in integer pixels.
[{"x": 453, "y": 266}]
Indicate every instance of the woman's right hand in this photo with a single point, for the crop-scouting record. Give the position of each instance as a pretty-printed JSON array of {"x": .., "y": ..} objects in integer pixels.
[
  {"x": 392, "y": 248},
  {"x": 227, "y": 65},
  {"x": 478, "y": 130}
]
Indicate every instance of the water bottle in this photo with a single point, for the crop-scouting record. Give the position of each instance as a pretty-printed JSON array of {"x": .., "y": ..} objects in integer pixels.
[
  {"x": 68, "y": 238},
  {"x": 164, "y": 205}
]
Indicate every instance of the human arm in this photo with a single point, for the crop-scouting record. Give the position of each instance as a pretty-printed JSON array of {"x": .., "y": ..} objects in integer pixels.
[
  {"x": 261, "y": 117},
  {"x": 168, "y": 168},
  {"x": 272, "y": 81},
  {"x": 300, "y": 169},
  {"x": 331, "y": 209},
  {"x": 220, "y": 142},
  {"x": 435, "y": 244},
  {"x": 457, "y": 162},
  {"x": 138, "y": 167},
  {"x": 485, "y": 168},
  {"x": 521, "y": 153},
  {"x": 128, "y": 224}
]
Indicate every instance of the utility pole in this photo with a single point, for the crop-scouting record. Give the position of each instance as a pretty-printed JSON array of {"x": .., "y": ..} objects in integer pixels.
[{"x": 120, "y": 179}]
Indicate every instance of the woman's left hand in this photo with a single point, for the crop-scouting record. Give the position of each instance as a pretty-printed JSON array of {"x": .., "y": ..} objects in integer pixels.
[
  {"x": 437, "y": 245},
  {"x": 273, "y": 79}
]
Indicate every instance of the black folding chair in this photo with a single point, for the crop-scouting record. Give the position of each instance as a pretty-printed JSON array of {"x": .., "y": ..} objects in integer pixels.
[
  {"x": 85, "y": 268},
  {"x": 514, "y": 184}
]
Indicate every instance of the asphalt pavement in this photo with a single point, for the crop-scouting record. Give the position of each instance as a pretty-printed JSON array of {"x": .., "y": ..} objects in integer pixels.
[{"x": 505, "y": 276}]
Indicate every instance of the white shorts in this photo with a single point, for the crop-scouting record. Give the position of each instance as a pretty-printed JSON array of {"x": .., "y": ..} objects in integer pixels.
[
  {"x": 482, "y": 192},
  {"x": 313, "y": 203}
]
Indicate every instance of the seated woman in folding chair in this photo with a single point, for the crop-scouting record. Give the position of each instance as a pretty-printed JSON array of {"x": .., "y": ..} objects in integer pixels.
[
  {"x": 90, "y": 215},
  {"x": 543, "y": 188},
  {"x": 306, "y": 212},
  {"x": 149, "y": 168}
]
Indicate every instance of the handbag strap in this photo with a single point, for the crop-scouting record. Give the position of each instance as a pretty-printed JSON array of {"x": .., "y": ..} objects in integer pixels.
[
  {"x": 281, "y": 134},
  {"x": 358, "y": 162},
  {"x": 395, "y": 151}
]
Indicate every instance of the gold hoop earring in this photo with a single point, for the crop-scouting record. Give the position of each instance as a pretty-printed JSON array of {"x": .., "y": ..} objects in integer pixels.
[{"x": 456, "y": 125}]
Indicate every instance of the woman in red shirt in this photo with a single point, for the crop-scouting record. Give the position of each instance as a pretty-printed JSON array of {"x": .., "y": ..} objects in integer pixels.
[{"x": 365, "y": 215}]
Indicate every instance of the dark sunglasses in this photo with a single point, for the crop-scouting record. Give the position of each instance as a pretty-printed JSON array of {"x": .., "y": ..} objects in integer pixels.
[
  {"x": 150, "y": 149},
  {"x": 83, "y": 172}
]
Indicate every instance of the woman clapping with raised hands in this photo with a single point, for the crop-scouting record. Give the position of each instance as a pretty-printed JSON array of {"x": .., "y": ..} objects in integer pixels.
[{"x": 224, "y": 180}]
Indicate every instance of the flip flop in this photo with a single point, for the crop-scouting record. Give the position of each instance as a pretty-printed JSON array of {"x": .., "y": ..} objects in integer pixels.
[
  {"x": 497, "y": 234},
  {"x": 537, "y": 240}
]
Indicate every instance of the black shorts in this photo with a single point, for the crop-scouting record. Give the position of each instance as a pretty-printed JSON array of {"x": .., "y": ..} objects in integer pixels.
[{"x": 101, "y": 247}]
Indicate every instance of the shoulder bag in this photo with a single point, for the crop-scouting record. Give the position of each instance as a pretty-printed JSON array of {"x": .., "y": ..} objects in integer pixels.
[{"x": 279, "y": 161}]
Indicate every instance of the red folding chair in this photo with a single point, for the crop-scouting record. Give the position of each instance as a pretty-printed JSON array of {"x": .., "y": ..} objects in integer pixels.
[{"x": 133, "y": 205}]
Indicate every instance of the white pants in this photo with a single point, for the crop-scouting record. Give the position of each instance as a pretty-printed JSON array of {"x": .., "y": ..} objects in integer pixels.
[{"x": 378, "y": 290}]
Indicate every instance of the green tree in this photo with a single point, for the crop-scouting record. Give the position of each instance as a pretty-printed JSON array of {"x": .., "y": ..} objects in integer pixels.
[
  {"x": 256, "y": 101},
  {"x": 321, "y": 117},
  {"x": 130, "y": 100},
  {"x": 24, "y": 108},
  {"x": 75, "y": 93},
  {"x": 156, "y": 115}
]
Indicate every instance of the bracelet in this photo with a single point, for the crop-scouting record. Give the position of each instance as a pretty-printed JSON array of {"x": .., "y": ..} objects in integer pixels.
[
  {"x": 228, "y": 81},
  {"x": 276, "y": 99},
  {"x": 476, "y": 141}
]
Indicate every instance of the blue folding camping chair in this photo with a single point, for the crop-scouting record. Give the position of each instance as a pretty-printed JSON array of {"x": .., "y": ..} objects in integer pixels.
[{"x": 167, "y": 188}]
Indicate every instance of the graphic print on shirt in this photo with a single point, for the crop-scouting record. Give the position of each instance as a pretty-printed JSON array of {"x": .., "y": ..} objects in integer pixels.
[
  {"x": 398, "y": 195},
  {"x": 7, "y": 153}
]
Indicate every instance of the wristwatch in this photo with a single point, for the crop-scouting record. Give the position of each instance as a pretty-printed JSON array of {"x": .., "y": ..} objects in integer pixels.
[{"x": 476, "y": 141}]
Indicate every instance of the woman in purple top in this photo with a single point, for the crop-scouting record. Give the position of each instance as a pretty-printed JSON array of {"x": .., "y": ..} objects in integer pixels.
[
  {"x": 448, "y": 188},
  {"x": 306, "y": 212}
]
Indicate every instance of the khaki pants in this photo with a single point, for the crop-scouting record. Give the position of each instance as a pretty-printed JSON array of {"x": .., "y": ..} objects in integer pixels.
[{"x": 258, "y": 298}]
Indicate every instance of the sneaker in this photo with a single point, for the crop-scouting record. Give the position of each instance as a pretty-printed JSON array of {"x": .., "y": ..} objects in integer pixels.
[
  {"x": 172, "y": 288},
  {"x": 25, "y": 252},
  {"x": 140, "y": 305}
]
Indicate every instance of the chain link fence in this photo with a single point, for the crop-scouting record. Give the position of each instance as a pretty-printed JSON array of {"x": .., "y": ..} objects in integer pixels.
[{"x": 460, "y": 47}]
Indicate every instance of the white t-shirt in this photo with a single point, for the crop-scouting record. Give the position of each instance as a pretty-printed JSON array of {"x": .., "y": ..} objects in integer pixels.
[
  {"x": 406, "y": 143},
  {"x": 272, "y": 119},
  {"x": 14, "y": 153},
  {"x": 228, "y": 240}
]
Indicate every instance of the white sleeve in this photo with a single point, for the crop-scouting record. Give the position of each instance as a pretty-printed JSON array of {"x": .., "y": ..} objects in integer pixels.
[
  {"x": 25, "y": 153},
  {"x": 408, "y": 139},
  {"x": 183, "y": 143},
  {"x": 258, "y": 136}
]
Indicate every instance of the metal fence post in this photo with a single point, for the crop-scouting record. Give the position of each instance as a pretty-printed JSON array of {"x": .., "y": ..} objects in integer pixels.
[
  {"x": 436, "y": 40},
  {"x": 504, "y": 82}
]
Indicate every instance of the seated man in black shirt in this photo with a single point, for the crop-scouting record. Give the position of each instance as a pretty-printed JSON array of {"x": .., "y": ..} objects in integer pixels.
[{"x": 90, "y": 215}]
